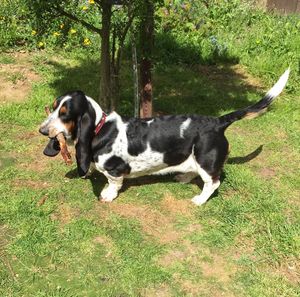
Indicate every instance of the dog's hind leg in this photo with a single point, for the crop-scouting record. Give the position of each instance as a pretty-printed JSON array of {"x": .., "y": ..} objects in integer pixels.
[
  {"x": 109, "y": 193},
  {"x": 210, "y": 185},
  {"x": 210, "y": 155}
]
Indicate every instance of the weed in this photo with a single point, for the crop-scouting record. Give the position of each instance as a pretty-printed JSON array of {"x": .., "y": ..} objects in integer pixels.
[{"x": 16, "y": 77}]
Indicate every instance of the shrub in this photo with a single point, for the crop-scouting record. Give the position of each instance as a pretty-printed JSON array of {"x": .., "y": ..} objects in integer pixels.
[{"x": 25, "y": 24}]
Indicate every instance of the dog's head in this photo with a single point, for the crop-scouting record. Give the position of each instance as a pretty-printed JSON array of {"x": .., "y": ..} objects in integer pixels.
[{"x": 75, "y": 115}]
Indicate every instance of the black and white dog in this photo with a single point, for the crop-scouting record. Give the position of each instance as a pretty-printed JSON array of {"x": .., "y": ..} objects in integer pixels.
[{"x": 122, "y": 148}]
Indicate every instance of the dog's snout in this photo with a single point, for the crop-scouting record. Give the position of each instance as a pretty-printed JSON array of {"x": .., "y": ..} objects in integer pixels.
[{"x": 44, "y": 131}]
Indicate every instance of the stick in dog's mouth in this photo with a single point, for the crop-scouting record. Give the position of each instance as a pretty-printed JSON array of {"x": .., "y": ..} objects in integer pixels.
[{"x": 62, "y": 141}]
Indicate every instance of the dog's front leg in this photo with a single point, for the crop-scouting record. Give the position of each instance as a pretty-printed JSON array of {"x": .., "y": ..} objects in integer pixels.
[{"x": 109, "y": 193}]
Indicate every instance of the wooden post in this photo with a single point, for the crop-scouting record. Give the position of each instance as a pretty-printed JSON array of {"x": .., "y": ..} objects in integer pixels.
[
  {"x": 146, "y": 42},
  {"x": 105, "y": 79},
  {"x": 135, "y": 78}
]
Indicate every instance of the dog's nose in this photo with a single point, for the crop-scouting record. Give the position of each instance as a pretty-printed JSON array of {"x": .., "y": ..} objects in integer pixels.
[{"x": 44, "y": 131}]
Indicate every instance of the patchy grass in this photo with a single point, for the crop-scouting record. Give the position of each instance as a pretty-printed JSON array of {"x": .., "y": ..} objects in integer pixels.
[
  {"x": 16, "y": 78},
  {"x": 58, "y": 240}
]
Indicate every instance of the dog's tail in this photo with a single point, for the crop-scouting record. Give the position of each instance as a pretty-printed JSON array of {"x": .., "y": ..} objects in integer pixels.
[{"x": 257, "y": 108}]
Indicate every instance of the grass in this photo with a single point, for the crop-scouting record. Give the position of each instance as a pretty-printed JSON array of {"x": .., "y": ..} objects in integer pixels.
[
  {"x": 14, "y": 78},
  {"x": 57, "y": 239},
  {"x": 60, "y": 241}
]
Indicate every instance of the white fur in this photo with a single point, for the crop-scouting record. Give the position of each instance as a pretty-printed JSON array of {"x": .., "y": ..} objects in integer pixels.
[
  {"x": 119, "y": 148},
  {"x": 109, "y": 193},
  {"x": 149, "y": 162},
  {"x": 145, "y": 163},
  {"x": 53, "y": 121},
  {"x": 279, "y": 86},
  {"x": 209, "y": 187},
  {"x": 187, "y": 166},
  {"x": 149, "y": 122},
  {"x": 97, "y": 108},
  {"x": 184, "y": 127}
]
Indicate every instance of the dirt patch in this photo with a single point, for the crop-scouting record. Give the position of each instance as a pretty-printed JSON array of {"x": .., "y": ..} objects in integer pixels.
[
  {"x": 161, "y": 291},
  {"x": 160, "y": 224},
  {"x": 152, "y": 221},
  {"x": 218, "y": 268},
  {"x": 173, "y": 206},
  {"x": 211, "y": 264},
  {"x": 205, "y": 264},
  {"x": 290, "y": 271},
  {"x": 37, "y": 165},
  {"x": 65, "y": 214},
  {"x": 267, "y": 173},
  {"x": 246, "y": 77},
  {"x": 107, "y": 243},
  {"x": 16, "y": 79},
  {"x": 244, "y": 246},
  {"x": 198, "y": 288},
  {"x": 187, "y": 251},
  {"x": 33, "y": 184}
]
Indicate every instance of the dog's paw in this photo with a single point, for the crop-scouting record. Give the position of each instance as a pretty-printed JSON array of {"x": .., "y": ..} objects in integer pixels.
[
  {"x": 108, "y": 195},
  {"x": 185, "y": 178},
  {"x": 198, "y": 200}
]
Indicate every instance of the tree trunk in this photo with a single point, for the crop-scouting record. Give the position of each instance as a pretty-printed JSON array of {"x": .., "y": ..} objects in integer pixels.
[
  {"x": 146, "y": 41},
  {"x": 105, "y": 79},
  {"x": 114, "y": 68},
  {"x": 135, "y": 77}
]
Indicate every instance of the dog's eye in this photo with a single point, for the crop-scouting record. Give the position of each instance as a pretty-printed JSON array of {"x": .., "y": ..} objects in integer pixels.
[{"x": 62, "y": 111}]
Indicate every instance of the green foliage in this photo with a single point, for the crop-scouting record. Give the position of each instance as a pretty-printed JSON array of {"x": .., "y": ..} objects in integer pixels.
[
  {"x": 36, "y": 25},
  {"x": 15, "y": 23},
  {"x": 188, "y": 32},
  {"x": 210, "y": 32}
]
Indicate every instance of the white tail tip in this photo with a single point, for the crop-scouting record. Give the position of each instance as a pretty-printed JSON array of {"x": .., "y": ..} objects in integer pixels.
[{"x": 279, "y": 86}]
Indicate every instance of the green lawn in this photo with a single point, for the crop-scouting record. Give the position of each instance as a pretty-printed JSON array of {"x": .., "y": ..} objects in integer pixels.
[{"x": 57, "y": 239}]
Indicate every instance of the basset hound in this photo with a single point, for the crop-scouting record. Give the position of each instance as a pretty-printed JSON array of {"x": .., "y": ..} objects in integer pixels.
[{"x": 131, "y": 147}]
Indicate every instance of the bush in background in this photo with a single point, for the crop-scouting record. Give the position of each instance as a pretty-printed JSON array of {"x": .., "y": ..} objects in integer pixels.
[
  {"x": 187, "y": 32},
  {"x": 220, "y": 31},
  {"x": 21, "y": 28}
]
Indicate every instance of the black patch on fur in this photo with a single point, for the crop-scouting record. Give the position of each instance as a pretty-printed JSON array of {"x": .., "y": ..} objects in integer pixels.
[
  {"x": 52, "y": 148},
  {"x": 103, "y": 142},
  {"x": 211, "y": 150},
  {"x": 165, "y": 138},
  {"x": 116, "y": 166},
  {"x": 137, "y": 136}
]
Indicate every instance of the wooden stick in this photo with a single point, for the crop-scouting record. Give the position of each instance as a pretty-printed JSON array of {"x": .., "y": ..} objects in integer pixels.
[
  {"x": 62, "y": 142},
  {"x": 47, "y": 110},
  {"x": 64, "y": 149}
]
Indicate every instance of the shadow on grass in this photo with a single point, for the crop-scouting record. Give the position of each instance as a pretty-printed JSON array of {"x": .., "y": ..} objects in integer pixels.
[
  {"x": 98, "y": 180},
  {"x": 245, "y": 159},
  {"x": 180, "y": 88}
]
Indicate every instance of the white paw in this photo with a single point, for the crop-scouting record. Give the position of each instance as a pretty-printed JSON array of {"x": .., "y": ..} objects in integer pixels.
[
  {"x": 198, "y": 200},
  {"x": 108, "y": 194},
  {"x": 184, "y": 178}
]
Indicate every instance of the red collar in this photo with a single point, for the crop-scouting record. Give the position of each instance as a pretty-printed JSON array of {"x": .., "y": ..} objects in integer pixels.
[{"x": 100, "y": 124}]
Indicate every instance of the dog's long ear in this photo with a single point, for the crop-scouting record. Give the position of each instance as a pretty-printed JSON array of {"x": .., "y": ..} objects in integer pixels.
[
  {"x": 52, "y": 148},
  {"x": 85, "y": 132}
]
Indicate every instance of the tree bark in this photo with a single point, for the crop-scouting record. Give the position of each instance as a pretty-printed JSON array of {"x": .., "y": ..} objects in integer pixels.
[
  {"x": 105, "y": 78},
  {"x": 135, "y": 77},
  {"x": 146, "y": 42}
]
